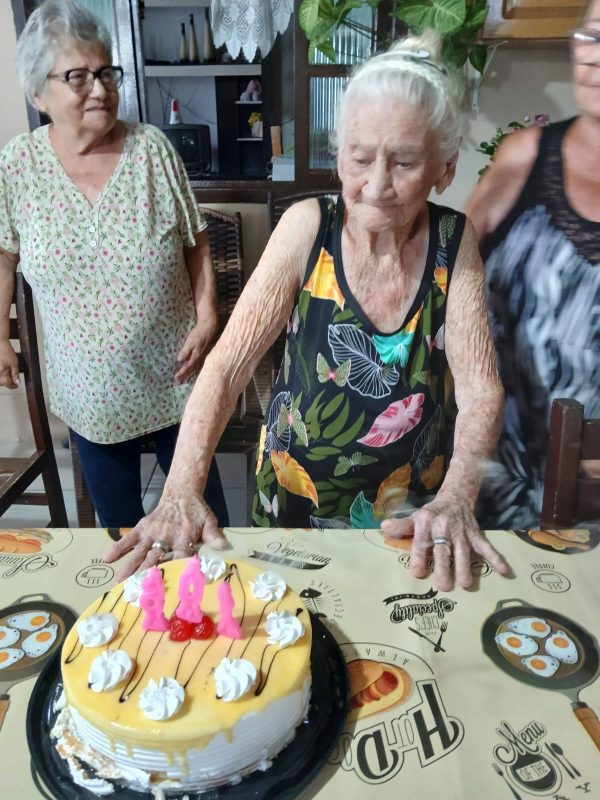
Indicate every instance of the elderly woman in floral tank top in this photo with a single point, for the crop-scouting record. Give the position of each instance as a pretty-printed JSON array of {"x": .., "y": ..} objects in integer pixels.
[
  {"x": 102, "y": 218},
  {"x": 383, "y": 293}
]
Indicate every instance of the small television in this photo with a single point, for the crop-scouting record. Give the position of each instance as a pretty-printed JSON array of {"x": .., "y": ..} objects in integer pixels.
[{"x": 192, "y": 142}]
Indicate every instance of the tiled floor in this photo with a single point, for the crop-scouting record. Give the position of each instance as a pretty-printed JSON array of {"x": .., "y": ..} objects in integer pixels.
[{"x": 231, "y": 466}]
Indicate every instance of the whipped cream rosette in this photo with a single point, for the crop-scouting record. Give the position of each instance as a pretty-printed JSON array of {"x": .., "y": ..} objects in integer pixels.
[
  {"x": 132, "y": 588},
  {"x": 109, "y": 669},
  {"x": 234, "y": 677},
  {"x": 162, "y": 700},
  {"x": 97, "y": 629},
  {"x": 283, "y": 628},
  {"x": 212, "y": 567},
  {"x": 268, "y": 586}
]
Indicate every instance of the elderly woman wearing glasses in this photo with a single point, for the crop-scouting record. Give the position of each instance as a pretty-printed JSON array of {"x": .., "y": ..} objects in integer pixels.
[
  {"x": 537, "y": 216},
  {"x": 383, "y": 295},
  {"x": 103, "y": 221}
]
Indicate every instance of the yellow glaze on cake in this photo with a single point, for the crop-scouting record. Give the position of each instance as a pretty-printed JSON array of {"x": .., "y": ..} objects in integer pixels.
[{"x": 117, "y": 714}]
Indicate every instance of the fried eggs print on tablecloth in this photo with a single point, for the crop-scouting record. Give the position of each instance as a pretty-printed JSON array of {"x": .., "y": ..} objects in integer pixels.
[
  {"x": 544, "y": 666},
  {"x": 38, "y": 643},
  {"x": 530, "y": 626},
  {"x": 29, "y": 621},
  {"x": 518, "y": 644},
  {"x": 9, "y": 656},
  {"x": 8, "y": 636},
  {"x": 561, "y": 646}
]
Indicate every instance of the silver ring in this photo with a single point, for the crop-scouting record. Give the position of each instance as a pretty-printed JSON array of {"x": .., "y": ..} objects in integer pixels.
[
  {"x": 161, "y": 545},
  {"x": 441, "y": 540}
]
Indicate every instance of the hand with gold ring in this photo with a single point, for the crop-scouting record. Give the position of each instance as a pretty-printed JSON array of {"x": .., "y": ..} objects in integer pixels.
[
  {"x": 173, "y": 530},
  {"x": 447, "y": 531}
]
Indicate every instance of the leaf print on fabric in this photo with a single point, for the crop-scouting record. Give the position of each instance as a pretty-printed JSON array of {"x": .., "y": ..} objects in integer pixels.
[
  {"x": 339, "y": 375},
  {"x": 447, "y": 228},
  {"x": 261, "y": 448},
  {"x": 427, "y": 442},
  {"x": 294, "y": 321},
  {"x": 278, "y": 441},
  {"x": 322, "y": 524},
  {"x": 291, "y": 419},
  {"x": 432, "y": 475},
  {"x": 270, "y": 506},
  {"x": 440, "y": 275},
  {"x": 392, "y": 492},
  {"x": 438, "y": 340},
  {"x": 397, "y": 420},
  {"x": 293, "y": 477},
  {"x": 345, "y": 463},
  {"x": 394, "y": 349},
  {"x": 361, "y": 513},
  {"x": 323, "y": 282},
  {"x": 369, "y": 376}
]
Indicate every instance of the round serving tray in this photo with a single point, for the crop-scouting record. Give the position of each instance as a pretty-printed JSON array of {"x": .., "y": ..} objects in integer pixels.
[{"x": 292, "y": 771}]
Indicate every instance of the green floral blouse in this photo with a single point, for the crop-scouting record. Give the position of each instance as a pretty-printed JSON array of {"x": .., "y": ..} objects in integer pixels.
[
  {"x": 110, "y": 279},
  {"x": 357, "y": 428}
]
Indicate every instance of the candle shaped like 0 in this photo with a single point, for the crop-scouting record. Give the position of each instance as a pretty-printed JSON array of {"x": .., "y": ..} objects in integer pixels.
[
  {"x": 152, "y": 601},
  {"x": 227, "y": 626},
  {"x": 190, "y": 592}
]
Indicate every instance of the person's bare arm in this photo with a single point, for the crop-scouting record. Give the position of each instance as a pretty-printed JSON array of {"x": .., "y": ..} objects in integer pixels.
[
  {"x": 9, "y": 365},
  {"x": 479, "y": 397},
  {"x": 182, "y": 516},
  {"x": 502, "y": 183},
  {"x": 202, "y": 279}
]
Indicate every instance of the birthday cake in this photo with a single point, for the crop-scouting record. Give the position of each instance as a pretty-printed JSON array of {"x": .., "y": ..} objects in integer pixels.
[{"x": 190, "y": 676}]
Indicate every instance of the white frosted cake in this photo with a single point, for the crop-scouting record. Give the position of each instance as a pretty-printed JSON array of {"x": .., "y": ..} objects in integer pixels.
[{"x": 189, "y": 706}]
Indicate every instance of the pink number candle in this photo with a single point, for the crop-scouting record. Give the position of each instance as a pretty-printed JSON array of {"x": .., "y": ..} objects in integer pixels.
[
  {"x": 152, "y": 600},
  {"x": 227, "y": 626},
  {"x": 190, "y": 592}
]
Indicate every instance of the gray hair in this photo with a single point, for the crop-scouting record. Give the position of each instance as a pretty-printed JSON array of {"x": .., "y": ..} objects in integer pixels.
[
  {"x": 410, "y": 71},
  {"x": 51, "y": 27}
]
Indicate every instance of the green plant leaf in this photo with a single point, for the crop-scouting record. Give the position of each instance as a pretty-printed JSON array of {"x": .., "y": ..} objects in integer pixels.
[
  {"x": 445, "y": 16},
  {"x": 478, "y": 56},
  {"x": 308, "y": 15}
]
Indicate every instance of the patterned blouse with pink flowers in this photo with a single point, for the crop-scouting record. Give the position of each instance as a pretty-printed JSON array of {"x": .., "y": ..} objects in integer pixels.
[{"x": 110, "y": 279}]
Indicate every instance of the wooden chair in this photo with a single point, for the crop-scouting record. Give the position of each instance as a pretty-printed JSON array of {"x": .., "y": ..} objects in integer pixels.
[
  {"x": 242, "y": 432},
  {"x": 278, "y": 203},
  {"x": 568, "y": 495},
  {"x": 17, "y": 474}
]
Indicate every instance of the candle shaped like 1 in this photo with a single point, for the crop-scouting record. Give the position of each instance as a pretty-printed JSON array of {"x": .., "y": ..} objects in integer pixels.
[
  {"x": 227, "y": 626},
  {"x": 190, "y": 592},
  {"x": 152, "y": 601}
]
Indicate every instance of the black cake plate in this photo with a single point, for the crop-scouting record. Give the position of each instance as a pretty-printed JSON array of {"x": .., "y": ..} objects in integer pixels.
[{"x": 292, "y": 771}]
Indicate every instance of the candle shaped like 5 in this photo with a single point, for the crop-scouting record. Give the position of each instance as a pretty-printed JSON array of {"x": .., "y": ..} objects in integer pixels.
[
  {"x": 227, "y": 626},
  {"x": 190, "y": 592},
  {"x": 152, "y": 601}
]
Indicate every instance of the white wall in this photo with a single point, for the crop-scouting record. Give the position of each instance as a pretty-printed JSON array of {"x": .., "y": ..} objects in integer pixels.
[{"x": 520, "y": 81}]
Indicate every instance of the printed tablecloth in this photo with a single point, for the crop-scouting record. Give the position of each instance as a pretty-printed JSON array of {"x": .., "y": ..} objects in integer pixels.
[{"x": 459, "y": 695}]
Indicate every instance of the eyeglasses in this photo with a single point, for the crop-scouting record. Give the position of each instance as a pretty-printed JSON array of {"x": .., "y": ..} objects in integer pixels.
[
  {"x": 81, "y": 80},
  {"x": 585, "y": 36}
]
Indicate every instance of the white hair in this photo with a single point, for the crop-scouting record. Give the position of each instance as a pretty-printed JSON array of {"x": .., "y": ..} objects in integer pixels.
[
  {"x": 52, "y": 27},
  {"x": 412, "y": 72}
]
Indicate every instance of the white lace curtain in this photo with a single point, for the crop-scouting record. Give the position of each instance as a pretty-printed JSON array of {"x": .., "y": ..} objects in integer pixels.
[{"x": 245, "y": 25}]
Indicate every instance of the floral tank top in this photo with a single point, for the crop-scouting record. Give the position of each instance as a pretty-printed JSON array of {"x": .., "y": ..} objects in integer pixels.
[{"x": 357, "y": 428}]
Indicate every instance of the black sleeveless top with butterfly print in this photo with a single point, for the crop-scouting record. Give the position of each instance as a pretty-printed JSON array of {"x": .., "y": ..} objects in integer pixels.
[{"x": 356, "y": 427}]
